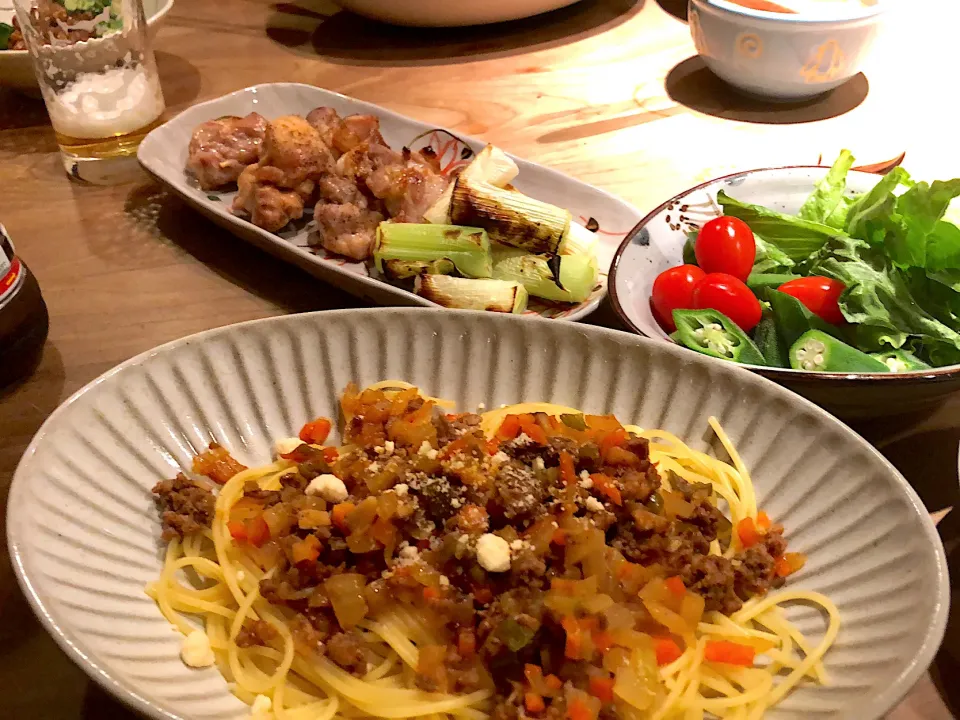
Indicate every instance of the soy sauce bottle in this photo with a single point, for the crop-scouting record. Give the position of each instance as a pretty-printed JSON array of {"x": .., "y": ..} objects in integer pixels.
[{"x": 23, "y": 316}]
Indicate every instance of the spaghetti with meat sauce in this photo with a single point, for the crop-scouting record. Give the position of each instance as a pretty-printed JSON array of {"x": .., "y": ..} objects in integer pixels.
[{"x": 532, "y": 561}]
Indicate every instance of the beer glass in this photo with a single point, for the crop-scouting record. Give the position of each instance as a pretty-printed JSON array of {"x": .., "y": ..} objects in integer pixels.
[{"x": 98, "y": 76}]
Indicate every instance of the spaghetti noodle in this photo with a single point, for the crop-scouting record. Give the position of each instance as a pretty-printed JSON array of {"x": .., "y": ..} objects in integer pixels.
[{"x": 364, "y": 580}]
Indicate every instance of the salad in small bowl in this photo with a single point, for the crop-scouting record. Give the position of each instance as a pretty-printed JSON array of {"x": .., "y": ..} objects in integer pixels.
[{"x": 842, "y": 285}]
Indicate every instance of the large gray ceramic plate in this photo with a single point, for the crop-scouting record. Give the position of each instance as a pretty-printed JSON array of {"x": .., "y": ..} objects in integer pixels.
[
  {"x": 657, "y": 244},
  {"x": 84, "y": 532},
  {"x": 163, "y": 154}
]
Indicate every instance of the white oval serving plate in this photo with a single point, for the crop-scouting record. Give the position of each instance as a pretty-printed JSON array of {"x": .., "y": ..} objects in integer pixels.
[
  {"x": 84, "y": 532},
  {"x": 163, "y": 154}
]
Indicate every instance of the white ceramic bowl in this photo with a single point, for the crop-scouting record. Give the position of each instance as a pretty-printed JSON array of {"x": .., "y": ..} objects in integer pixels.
[
  {"x": 779, "y": 56},
  {"x": 84, "y": 532},
  {"x": 657, "y": 244},
  {"x": 447, "y": 13},
  {"x": 16, "y": 70}
]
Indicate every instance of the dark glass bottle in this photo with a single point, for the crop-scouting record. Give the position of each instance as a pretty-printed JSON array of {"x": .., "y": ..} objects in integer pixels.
[{"x": 23, "y": 316}]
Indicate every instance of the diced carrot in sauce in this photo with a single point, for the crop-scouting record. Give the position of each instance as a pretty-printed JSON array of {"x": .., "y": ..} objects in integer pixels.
[
  {"x": 331, "y": 454},
  {"x": 675, "y": 585},
  {"x": 790, "y": 563},
  {"x": 238, "y": 529},
  {"x": 730, "y": 653},
  {"x": 607, "y": 487},
  {"x": 492, "y": 446},
  {"x": 579, "y": 710},
  {"x": 467, "y": 643},
  {"x": 574, "y": 644},
  {"x": 553, "y": 682},
  {"x": 534, "y": 703},
  {"x": 763, "y": 521},
  {"x": 533, "y": 674},
  {"x": 339, "y": 515},
  {"x": 563, "y": 586},
  {"x": 217, "y": 463},
  {"x": 667, "y": 651},
  {"x": 306, "y": 550},
  {"x": 534, "y": 432},
  {"x": 748, "y": 533},
  {"x": 430, "y": 593},
  {"x": 559, "y": 537},
  {"x": 509, "y": 428},
  {"x": 568, "y": 473},
  {"x": 316, "y": 431},
  {"x": 258, "y": 532},
  {"x": 454, "y": 447},
  {"x": 612, "y": 440},
  {"x": 602, "y": 641},
  {"x": 601, "y": 688}
]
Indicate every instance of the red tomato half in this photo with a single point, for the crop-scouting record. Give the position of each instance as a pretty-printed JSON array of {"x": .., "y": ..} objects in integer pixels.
[
  {"x": 725, "y": 293},
  {"x": 726, "y": 245},
  {"x": 820, "y": 295},
  {"x": 673, "y": 290}
]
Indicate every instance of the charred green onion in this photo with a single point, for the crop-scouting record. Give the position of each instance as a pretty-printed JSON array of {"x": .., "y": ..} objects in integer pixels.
[
  {"x": 491, "y": 165},
  {"x": 405, "y": 269},
  {"x": 467, "y": 248},
  {"x": 567, "y": 278},
  {"x": 509, "y": 217},
  {"x": 467, "y": 294}
]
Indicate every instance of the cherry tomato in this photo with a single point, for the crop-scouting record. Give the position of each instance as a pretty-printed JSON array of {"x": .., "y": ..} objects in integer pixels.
[
  {"x": 726, "y": 245},
  {"x": 725, "y": 293},
  {"x": 820, "y": 295},
  {"x": 673, "y": 290}
]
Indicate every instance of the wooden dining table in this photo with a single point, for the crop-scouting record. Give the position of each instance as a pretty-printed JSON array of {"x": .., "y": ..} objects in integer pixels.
[{"x": 609, "y": 91}]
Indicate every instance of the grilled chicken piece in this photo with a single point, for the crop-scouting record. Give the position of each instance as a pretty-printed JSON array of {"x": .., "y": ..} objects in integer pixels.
[
  {"x": 221, "y": 149},
  {"x": 357, "y": 129},
  {"x": 293, "y": 151},
  {"x": 266, "y": 205},
  {"x": 346, "y": 218},
  {"x": 327, "y": 122},
  {"x": 406, "y": 181}
]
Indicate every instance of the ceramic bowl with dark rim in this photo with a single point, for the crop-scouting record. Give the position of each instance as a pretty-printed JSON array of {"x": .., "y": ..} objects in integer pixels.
[{"x": 657, "y": 244}]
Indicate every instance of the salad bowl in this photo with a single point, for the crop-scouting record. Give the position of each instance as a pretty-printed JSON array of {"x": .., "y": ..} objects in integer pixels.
[{"x": 657, "y": 243}]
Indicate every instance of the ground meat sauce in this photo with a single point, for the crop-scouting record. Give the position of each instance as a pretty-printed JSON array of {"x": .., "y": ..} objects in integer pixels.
[
  {"x": 589, "y": 541},
  {"x": 187, "y": 506}
]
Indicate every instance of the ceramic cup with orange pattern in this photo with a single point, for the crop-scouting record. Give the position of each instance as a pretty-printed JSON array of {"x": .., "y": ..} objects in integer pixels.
[{"x": 780, "y": 55}]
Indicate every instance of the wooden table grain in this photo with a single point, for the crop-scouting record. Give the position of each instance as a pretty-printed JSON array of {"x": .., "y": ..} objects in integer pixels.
[{"x": 609, "y": 91}]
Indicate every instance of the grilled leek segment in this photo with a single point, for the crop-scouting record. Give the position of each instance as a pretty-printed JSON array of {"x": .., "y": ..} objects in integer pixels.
[
  {"x": 509, "y": 217},
  {"x": 406, "y": 269},
  {"x": 578, "y": 241},
  {"x": 561, "y": 278},
  {"x": 467, "y": 248},
  {"x": 468, "y": 294},
  {"x": 491, "y": 165}
]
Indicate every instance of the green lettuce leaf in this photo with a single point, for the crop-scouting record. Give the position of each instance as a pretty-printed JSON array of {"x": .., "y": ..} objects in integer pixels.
[
  {"x": 879, "y": 298},
  {"x": 916, "y": 237},
  {"x": 770, "y": 258},
  {"x": 828, "y": 195},
  {"x": 870, "y": 208},
  {"x": 5, "y": 32},
  {"x": 794, "y": 237}
]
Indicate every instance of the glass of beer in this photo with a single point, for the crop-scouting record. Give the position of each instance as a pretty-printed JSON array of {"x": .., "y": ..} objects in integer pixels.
[{"x": 99, "y": 80}]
